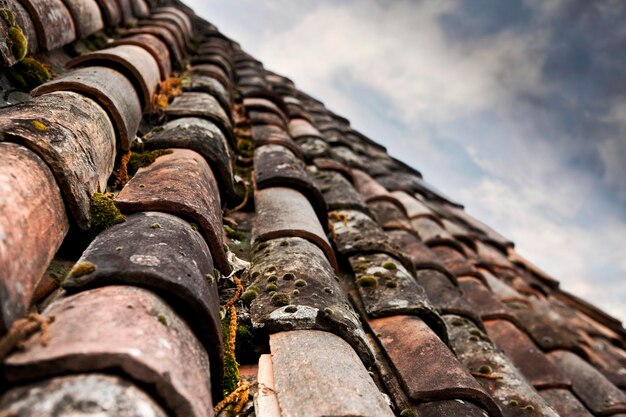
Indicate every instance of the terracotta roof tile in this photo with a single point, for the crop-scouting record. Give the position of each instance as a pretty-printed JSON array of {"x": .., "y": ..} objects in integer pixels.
[
  {"x": 79, "y": 146},
  {"x": 32, "y": 228},
  {"x": 322, "y": 357},
  {"x": 109, "y": 88},
  {"x": 103, "y": 393},
  {"x": 173, "y": 184},
  {"x": 125, "y": 328}
]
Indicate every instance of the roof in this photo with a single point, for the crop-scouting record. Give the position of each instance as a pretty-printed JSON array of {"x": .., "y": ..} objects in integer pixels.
[{"x": 185, "y": 233}]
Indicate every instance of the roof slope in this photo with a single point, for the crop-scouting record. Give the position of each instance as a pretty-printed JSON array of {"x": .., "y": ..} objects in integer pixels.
[{"x": 170, "y": 208}]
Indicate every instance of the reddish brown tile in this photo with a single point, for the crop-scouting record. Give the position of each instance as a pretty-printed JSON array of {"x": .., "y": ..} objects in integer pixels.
[
  {"x": 355, "y": 233},
  {"x": 205, "y": 138},
  {"x": 201, "y": 83},
  {"x": 111, "y": 13},
  {"x": 526, "y": 355},
  {"x": 413, "y": 207},
  {"x": 218, "y": 60},
  {"x": 86, "y": 16},
  {"x": 75, "y": 138},
  {"x": 386, "y": 288},
  {"x": 565, "y": 403},
  {"x": 421, "y": 255},
  {"x": 264, "y": 105},
  {"x": 141, "y": 9},
  {"x": 454, "y": 260},
  {"x": 283, "y": 212},
  {"x": 276, "y": 166},
  {"x": 372, "y": 191},
  {"x": 431, "y": 231},
  {"x": 491, "y": 255},
  {"x": 296, "y": 288},
  {"x": 174, "y": 19},
  {"x": 191, "y": 104},
  {"x": 71, "y": 395},
  {"x": 389, "y": 216},
  {"x": 109, "y": 88},
  {"x": 184, "y": 18},
  {"x": 183, "y": 184},
  {"x": 593, "y": 389},
  {"x": 434, "y": 374},
  {"x": 483, "y": 301},
  {"x": 266, "y": 118},
  {"x": 171, "y": 28},
  {"x": 138, "y": 64},
  {"x": 129, "y": 329},
  {"x": 337, "y": 191},
  {"x": 545, "y": 327},
  {"x": 445, "y": 295},
  {"x": 164, "y": 36},
  {"x": 126, "y": 10},
  {"x": 500, "y": 378},
  {"x": 153, "y": 250},
  {"x": 302, "y": 127},
  {"x": 301, "y": 359},
  {"x": 32, "y": 227},
  {"x": 347, "y": 157},
  {"x": 53, "y": 22},
  {"x": 273, "y": 135},
  {"x": 156, "y": 48}
]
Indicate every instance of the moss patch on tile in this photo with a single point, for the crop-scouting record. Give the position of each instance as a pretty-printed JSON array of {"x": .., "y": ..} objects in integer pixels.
[{"x": 103, "y": 212}]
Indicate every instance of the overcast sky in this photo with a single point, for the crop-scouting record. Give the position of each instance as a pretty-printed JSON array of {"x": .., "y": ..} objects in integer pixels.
[{"x": 515, "y": 108}]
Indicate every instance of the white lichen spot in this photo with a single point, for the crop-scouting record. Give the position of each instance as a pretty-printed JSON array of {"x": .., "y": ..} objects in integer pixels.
[{"x": 145, "y": 260}]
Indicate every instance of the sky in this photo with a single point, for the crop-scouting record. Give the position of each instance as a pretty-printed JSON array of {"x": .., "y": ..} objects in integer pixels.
[{"x": 517, "y": 109}]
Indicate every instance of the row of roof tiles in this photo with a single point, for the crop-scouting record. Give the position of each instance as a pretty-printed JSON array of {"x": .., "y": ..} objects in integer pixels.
[{"x": 356, "y": 263}]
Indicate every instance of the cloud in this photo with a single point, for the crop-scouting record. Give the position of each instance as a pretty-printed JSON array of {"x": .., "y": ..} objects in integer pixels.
[{"x": 518, "y": 112}]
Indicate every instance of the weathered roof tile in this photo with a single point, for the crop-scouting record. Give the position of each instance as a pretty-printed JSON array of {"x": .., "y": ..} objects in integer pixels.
[
  {"x": 594, "y": 390},
  {"x": 71, "y": 394},
  {"x": 135, "y": 61},
  {"x": 109, "y": 88},
  {"x": 74, "y": 136},
  {"x": 125, "y": 328},
  {"x": 437, "y": 374},
  {"x": 347, "y": 390},
  {"x": 163, "y": 253},
  {"x": 32, "y": 227},
  {"x": 183, "y": 184}
]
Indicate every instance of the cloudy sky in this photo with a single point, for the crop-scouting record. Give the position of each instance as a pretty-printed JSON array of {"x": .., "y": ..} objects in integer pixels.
[{"x": 515, "y": 108}]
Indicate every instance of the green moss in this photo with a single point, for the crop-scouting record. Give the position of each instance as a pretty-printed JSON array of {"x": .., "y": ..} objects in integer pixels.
[
  {"x": 280, "y": 299},
  {"x": 328, "y": 311},
  {"x": 17, "y": 42},
  {"x": 391, "y": 284},
  {"x": 513, "y": 403},
  {"x": 244, "y": 338},
  {"x": 163, "y": 319},
  {"x": 529, "y": 407},
  {"x": 485, "y": 369},
  {"x": 80, "y": 269},
  {"x": 231, "y": 367},
  {"x": 271, "y": 287},
  {"x": 8, "y": 16},
  {"x": 408, "y": 413},
  {"x": 457, "y": 322},
  {"x": 300, "y": 283},
  {"x": 28, "y": 74},
  {"x": 143, "y": 159},
  {"x": 289, "y": 276},
  {"x": 291, "y": 309},
  {"x": 389, "y": 265},
  {"x": 103, "y": 212},
  {"x": 272, "y": 278},
  {"x": 367, "y": 281},
  {"x": 295, "y": 293},
  {"x": 328, "y": 290},
  {"x": 248, "y": 296},
  {"x": 155, "y": 226},
  {"x": 255, "y": 274}
]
